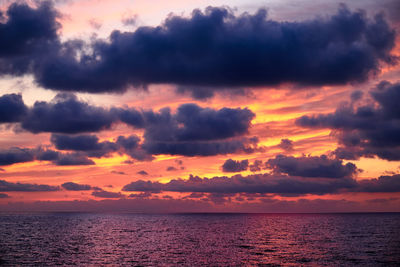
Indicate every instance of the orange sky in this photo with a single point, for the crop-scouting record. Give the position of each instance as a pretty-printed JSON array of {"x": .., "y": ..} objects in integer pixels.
[{"x": 276, "y": 109}]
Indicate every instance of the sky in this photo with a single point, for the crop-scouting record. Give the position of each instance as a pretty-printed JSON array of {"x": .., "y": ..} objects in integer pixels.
[{"x": 200, "y": 106}]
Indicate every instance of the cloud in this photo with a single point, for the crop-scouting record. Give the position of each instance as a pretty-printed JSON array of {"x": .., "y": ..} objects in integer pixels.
[
  {"x": 269, "y": 184},
  {"x": 256, "y": 166},
  {"x": 71, "y": 186},
  {"x": 381, "y": 184},
  {"x": 258, "y": 183},
  {"x": 171, "y": 168},
  {"x": 194, "y": 123},
  {"x": 12, "y": 108},
  {"x": 194, "y": 130},
  {"x": 19, "y": 155},
  {"x": 217, "y": 48},
  {"x": 371, "y": 129},
  {"x": 235, "y": 166},
  {"x": 69, "y": 159},
  {"x": 308, "y": 166},
  {"x": 21, "y": 187},
  {"x": 144, "y": 173},
  {"x": 15, "y": 155},
  {"x": 199, "y": 148},
  {"x": 107, "y": 194},
  {"x": 66, "y": 114},
  {"x": 286, "y": 144},
  {"x": 130, "y": 116},
  {"x": 86, "y": 143},
  {"x": 119, "y": 172},
  {"x": 141, "y": 195},
  {"x": 28, "y": 35}
]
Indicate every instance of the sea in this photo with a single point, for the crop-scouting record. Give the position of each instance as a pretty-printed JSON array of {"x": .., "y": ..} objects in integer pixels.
[{"x": 95, "y": 239}]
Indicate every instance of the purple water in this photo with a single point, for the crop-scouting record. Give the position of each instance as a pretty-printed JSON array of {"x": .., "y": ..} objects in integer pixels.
[{"x": 200, "y": 239}]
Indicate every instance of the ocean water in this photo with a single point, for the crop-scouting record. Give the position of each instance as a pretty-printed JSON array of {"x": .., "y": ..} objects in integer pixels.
[{"x": 67, "y": 239}]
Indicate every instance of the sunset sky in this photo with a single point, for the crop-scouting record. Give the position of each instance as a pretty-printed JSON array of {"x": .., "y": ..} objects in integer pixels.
[{"x": 200, "y": 106}]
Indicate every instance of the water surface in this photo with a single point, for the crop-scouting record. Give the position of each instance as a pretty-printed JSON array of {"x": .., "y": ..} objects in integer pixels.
[{"x": 200, "y": 239}]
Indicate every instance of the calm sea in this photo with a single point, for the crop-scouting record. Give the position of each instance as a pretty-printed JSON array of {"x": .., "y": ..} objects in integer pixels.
[{"x": 50, "y": 239}]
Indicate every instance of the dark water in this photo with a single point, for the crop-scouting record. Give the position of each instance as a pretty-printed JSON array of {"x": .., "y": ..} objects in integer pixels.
[{"x": 200, "y": 239}]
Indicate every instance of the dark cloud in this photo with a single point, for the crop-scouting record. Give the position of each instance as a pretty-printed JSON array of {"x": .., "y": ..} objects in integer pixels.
[
  {"x": 143, "y": 186},
  {"x": 194, "y": 123},
  {"x": 144, "y": 173},
  {"x": 366, "y": 130},
  {"x": 256, "y": 166},
  {"x": 71, "y": 186},
  {"x": 235, "y": 166},
  {"x": 308, "y": 166},
  {"x": 209, "y": 148},
  {"x": 382, "y": 184},
  {"x": 107, "y": 194},
  {"x": 27, "y": 37},
  {"x": 21, "y": 187},
  {"x": 18, "y": 155},
  {"x": 130, "y": 146},
  {"x": 66, "y": 114},
  {"x": 62, "y": 159},
  {"x": 86, "y": 143},
  {"x": 46, "y": 154},
  {"x": 129, "y": 116},
  {"x": 356, "y": 95},
  {"x": 68, "y": 159},
  {"x": 269, "y": 184},
  {"x": 217, "y": 48},
  {"x": 90, "y": 145},
  {"x": 15, "y": 155},
  {"x": 190, "y": 131},
  {"x": 12, "y": 108},
  {"x": 119, "y": 172},
  {"x": 141, "y": 195},
  {"x": 171, "y": 168},
  {"x": 286, "y": 144},
  {"x": 194, "y": 130},
  {"x": 258, "y": 183}
]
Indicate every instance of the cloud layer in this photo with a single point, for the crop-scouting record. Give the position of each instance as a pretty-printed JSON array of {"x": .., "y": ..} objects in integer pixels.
[
  {"x": 369, "y": 130},
  {"x": 212, "y": 48},
  {"x": 269, "y": 184}
]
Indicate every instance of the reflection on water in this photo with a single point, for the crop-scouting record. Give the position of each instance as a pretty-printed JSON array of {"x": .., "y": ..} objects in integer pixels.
[{"x": 200, "y": 239}]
